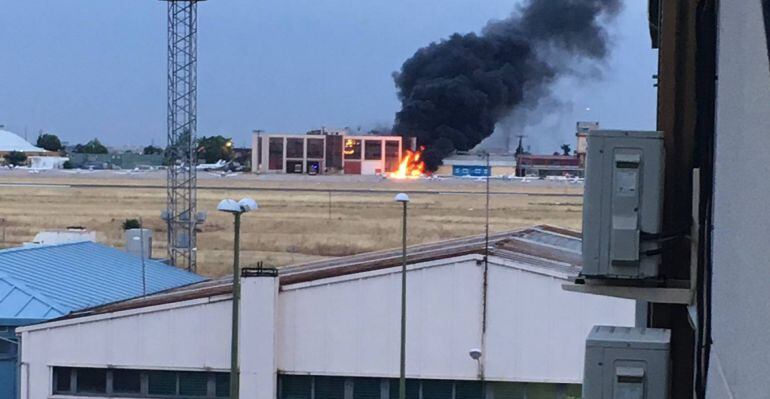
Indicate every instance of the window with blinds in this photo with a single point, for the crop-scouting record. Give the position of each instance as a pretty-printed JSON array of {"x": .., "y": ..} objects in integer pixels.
[
  {"x": 469, "y": 390},
  {"x": 113, "y": 382},
  {"x": 328, "y": 387},
  {"x": 296, "y": 387},
  {"x": 367, "y": 388}
]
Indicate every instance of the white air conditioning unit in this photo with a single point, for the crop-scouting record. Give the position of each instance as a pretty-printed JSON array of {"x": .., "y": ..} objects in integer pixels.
[
  {"x": 622, "y": 204},
  {"x": 627, "y": 363}
]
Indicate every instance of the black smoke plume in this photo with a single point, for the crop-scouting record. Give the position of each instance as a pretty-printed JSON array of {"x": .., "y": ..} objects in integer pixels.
[
  {"x": 454, "y": 91},
  {"x": 766, "y": 13}
]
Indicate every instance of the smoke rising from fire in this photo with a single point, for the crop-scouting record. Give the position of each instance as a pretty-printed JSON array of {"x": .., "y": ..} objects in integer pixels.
[{"x": 453, "y": 92}]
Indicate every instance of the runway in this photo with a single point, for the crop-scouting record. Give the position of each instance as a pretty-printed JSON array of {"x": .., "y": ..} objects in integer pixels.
[{"x": 87, "y": 186}]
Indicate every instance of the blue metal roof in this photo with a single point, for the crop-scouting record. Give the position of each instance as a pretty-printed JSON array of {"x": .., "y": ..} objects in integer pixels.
[{"x": 47, "y": 281}]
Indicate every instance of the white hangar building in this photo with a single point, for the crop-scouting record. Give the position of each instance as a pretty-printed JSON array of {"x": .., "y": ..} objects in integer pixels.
[{"x": 330, "y": 329}]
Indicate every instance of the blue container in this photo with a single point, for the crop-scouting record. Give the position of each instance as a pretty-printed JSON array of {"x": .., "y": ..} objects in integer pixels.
[{"x": 470, "y": 170}]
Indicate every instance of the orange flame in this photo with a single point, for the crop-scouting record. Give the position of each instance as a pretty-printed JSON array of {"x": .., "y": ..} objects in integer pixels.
[
  {"x": 411, "y": 166},
  {"x": 349, "y": 147}
]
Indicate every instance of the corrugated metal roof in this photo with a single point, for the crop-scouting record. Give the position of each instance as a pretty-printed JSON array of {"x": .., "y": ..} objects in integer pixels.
[
  {"x": 20, "y": 302},
  {"x": 538, "y": 246},
  {"x": 52, "y": 280}
]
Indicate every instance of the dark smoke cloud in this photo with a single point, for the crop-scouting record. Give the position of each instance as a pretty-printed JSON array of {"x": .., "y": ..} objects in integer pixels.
[
  {"x": 454, "y": 92},
  {"x": 766, "y": 13}
]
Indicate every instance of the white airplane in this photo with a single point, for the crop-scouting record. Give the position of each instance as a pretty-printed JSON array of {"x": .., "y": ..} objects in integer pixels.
[
  {"x": 130, "y": 171},
  {"x": 219, "y": 165},
  {"x": 224, "y": 174},
  {"x": 79, "y": 170}
]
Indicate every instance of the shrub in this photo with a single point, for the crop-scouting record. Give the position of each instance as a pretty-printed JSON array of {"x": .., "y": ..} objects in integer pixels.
[
  {"x": 129, "y": 224},
  {"x": 15, "y": 158}
]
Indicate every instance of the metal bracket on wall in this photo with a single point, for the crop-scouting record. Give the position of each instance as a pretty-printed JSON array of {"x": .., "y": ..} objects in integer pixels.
[{"x": 671, "y": 291}]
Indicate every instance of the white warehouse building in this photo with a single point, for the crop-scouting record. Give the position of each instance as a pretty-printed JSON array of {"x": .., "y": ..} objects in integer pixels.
[{"x": 331, "y": 329}]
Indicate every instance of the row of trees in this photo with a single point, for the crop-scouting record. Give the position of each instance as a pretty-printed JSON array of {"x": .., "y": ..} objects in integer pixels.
[
  {"x": 210, "y": 149},
  {"x": 51, "y": 142}
]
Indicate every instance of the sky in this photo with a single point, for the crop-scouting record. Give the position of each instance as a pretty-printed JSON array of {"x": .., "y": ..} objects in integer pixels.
[{"x": 86, "y": 68}]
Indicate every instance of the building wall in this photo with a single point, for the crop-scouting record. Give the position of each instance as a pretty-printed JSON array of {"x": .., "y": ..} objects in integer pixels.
[
  {"x": 8, "y": 359},
  {"x": 543, "y": 343},
  {"x": 583, "y": 128},
  {"x": 503, "y": 170},
  {"x": 360, "y": 165},
  {"x": 444, "y": 170},
  {"x": 535, "y": 331},
  {"x": 256, "y": 154},
  {"x": 288, "y": 160},
  {"x": 741, "y": 277},
  {"x": 122, "y": 160},
  {"x": 340, "y": 328},
  {"x": 370, "y": 166},
  {"x": 257, "y": 337},
  {"x": 190, "y": 337}
]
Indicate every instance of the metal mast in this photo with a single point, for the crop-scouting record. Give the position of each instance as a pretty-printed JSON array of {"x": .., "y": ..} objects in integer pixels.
[{"x": 181, "y": 183}]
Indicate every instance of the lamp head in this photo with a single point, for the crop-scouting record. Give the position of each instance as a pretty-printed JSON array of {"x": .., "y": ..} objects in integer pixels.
[
  {"x": 248, "y": 204},
  {"x": 401, "y": 197},
  {"x": 233, "y": 206},
  {"x": 229, "y": 206}
]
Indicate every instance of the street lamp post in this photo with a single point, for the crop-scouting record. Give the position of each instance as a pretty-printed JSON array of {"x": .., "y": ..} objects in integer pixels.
[
  {"x": 237, "y": 208},
  {"x": 404, "y": 199}
]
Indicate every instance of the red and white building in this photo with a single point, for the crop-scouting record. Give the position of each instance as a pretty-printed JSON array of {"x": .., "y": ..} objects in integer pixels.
[
  {"x": 326, "y": 153},
  {"x": 548, "y": 165}
]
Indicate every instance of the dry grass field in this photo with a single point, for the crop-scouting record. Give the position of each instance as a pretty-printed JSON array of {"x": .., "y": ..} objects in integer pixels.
[{"x": 291, "y": 226}]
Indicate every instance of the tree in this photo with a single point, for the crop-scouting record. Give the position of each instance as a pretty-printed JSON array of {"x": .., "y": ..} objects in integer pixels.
[
  {"x": 49, "y": 142},
  {"x": 152, "y": 150},
  {"x": 15, "y": 158},
  {"x": 566, "y": 149},
  {"x": 129, "y": 224},
  {"x": 212, "y": 149},
  {"x": 92, "y": 147}
]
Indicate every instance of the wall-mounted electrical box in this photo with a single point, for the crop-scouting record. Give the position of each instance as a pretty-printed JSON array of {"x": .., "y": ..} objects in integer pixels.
[
  {"x": 622, "y": 204},
  {"x": 627, "y": 363}
]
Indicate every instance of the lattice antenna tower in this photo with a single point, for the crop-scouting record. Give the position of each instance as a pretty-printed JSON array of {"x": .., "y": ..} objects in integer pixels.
[{"x": 181, "y": 181}]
